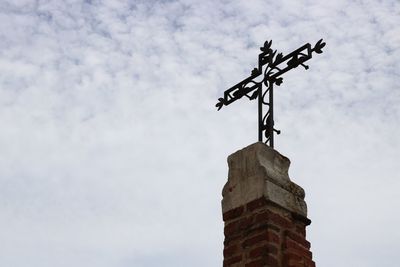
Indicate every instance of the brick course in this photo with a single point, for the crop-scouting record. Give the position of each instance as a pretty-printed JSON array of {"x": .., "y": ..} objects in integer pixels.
[{"x": 262, "y": 234}]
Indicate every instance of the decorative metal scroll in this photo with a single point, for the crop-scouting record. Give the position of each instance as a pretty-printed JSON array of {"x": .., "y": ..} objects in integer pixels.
[{"x": 272, "y": 66}]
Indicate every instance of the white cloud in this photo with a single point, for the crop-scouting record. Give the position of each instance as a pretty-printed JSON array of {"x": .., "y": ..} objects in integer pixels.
[{"x": 112, "y": 153}]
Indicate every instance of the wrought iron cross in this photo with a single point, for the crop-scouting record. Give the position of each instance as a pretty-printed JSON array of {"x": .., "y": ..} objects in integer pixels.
[{"x": 272, "y": 66}]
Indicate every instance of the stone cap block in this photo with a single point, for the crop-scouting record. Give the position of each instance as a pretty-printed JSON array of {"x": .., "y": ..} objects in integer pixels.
[{"x": 260, "y": 171}]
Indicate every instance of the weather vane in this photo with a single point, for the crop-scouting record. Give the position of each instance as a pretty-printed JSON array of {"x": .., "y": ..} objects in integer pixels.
[{"x": 272, "y": 66}]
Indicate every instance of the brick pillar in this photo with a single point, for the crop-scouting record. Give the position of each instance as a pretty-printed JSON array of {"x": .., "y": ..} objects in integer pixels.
[{"x": 264, "y": 212}]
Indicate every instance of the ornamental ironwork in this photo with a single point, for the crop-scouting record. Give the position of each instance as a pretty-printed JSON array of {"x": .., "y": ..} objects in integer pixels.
[{"x": 272, "y": 66}]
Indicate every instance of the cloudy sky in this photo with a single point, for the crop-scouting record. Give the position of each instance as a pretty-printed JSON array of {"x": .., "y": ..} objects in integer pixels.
[{"x": 113, "y": 154}]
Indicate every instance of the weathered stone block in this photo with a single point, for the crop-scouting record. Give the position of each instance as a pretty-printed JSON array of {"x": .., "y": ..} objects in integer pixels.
[{"x": 259, "y": 171}]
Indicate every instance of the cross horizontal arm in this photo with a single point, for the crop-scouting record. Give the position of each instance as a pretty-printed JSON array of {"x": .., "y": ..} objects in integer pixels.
[
  {"x": 294, "y": 59},
  {"x": 239, "y": 90},
  {"x": 275, "y": 69}
]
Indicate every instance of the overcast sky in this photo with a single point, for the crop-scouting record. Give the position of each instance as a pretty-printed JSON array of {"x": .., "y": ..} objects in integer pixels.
[{"x": 112, "y": 152}]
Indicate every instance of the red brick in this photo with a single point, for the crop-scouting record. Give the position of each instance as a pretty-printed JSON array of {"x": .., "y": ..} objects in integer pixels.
[
  {"x": 233, "y": 213},
  {"x": 259, "y": 227},
  {"x": 299, "y": 239},
  {"x": 301, "y": 229},
  {"x": 264, "y": 236},
  {"x": 272, "y": 262},
  {"x": 303, "y": 253},
  {"x": 294, "y": 247},
  {"x": 273, "y": 237},
  {"x": 229, "y": 262},
  {"x": 231, "y": 250},
  {"x": 228, "y": 241},
  {"x": 245, "y": 223},
  {"x": 280, "y": 220},
  {"x": 259, "y": 235},
  {"x": 231, "y": 228},
  {"x": 309, "y": 263},
  {"x": 302, "y": 263},
  {"x": 254, "y": 240},
  {"x": 292, "y": 259},
  {"x": 255, "y": 204},
  {"x": 263, "y": 251},
  {"x": 256, "y": 263},
  {"x": 265, "y": 261},
  {"x": 272, "y": 217}
]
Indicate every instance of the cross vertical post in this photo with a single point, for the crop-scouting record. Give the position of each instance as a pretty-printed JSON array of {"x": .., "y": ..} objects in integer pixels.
[
  {"x": 260, "y": 116},
  {"x": 270, "y": 117},
  {"x": 271, "y": 65}
]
